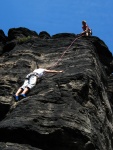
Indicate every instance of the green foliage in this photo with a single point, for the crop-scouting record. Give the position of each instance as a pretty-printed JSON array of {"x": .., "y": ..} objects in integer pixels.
[{"x": 24, "y": 39}]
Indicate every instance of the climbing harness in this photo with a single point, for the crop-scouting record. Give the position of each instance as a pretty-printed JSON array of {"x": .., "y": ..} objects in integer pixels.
[{"x": 31, "y": 74}]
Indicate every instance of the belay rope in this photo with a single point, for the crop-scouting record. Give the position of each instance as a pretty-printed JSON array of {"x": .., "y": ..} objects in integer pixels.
[{"x": 65, "y": 52}]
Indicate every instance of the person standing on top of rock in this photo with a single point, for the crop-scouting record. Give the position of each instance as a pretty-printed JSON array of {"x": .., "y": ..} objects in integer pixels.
[
  {"x": 86, "y": 30},
  {"x": 30, "y": 81}
]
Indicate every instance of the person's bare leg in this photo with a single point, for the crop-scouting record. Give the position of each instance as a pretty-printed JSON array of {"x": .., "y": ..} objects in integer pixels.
[
  {"x": 25, "y": 90},
  {"x": 19, "y": 91},
  {"x": 87, "y": 34}
]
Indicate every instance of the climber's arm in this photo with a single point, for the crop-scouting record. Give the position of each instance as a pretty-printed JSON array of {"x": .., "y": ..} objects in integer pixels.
[{"x": 53, "y": 71}]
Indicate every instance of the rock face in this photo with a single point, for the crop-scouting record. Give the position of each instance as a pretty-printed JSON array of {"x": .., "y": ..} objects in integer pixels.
[{"x": 66, "y": 111}]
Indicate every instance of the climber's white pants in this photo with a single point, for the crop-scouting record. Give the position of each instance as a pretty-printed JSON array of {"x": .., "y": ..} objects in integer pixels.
[{"x": 30, "y": 83}]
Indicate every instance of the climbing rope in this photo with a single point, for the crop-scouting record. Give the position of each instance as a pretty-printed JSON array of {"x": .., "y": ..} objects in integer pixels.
[{"x": 65, "y": 51}]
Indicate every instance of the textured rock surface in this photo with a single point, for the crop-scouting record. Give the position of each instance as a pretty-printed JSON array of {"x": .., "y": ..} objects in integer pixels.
[{"x": 67, "y": 111}]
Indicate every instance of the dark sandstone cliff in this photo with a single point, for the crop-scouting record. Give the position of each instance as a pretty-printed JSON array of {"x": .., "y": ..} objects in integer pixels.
[{"x": 67, "y": 111}]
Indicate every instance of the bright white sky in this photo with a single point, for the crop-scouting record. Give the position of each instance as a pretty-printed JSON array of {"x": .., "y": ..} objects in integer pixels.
[{"x": 59, "y": 16}]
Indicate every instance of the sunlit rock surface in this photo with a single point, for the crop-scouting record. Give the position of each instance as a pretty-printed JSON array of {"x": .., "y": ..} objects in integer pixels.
[{"x": 65, "y": 111}]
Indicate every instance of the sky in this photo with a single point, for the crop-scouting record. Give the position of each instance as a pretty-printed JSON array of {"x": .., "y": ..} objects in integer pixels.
[{"x": 59, "y": 16}]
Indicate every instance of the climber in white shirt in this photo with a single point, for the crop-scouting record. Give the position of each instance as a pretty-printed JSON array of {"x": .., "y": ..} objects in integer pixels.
[{"x": 31, "y": 80}]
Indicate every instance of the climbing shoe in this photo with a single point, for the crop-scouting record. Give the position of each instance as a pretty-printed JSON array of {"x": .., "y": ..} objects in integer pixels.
[
  {"x": 16, "y": 97},
  {"x": 23, "y": 95}
]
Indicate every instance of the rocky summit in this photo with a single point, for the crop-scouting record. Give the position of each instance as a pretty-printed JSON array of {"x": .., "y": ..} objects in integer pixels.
[{"x": 72, "y": 110}]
